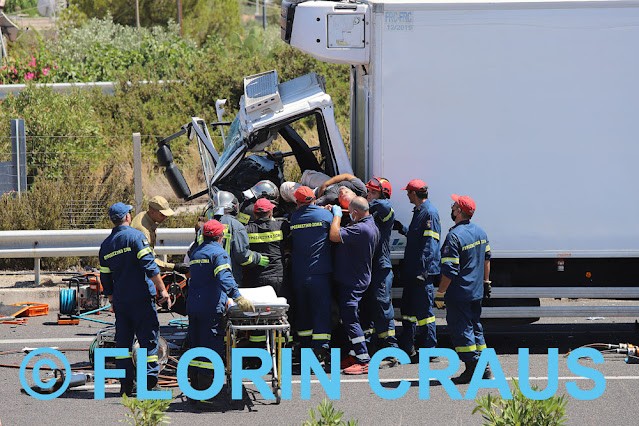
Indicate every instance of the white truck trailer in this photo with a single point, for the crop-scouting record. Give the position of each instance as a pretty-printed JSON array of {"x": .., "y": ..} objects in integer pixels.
[{"x": 530, "y": 107}]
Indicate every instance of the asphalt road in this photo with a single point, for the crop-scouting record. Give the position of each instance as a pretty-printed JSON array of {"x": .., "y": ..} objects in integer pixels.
[{"x": 357, "y": 400}]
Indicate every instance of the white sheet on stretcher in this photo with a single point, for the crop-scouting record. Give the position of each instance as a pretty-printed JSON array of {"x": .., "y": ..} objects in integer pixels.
[{"x": 263, "y": 296}]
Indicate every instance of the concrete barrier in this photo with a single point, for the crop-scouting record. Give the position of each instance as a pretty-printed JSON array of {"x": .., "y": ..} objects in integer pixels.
[{"x": 48, "y": 295}]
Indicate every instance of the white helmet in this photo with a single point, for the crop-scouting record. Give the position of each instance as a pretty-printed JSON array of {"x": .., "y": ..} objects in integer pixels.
[
  {"x": 225, "y": 202},
  {"x": 287, "y": 190},
  {"x": 263, "y": 189}
]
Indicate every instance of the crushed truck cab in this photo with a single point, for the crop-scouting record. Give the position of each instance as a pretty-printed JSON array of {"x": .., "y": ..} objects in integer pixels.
[{"x": 269, "y": 111}]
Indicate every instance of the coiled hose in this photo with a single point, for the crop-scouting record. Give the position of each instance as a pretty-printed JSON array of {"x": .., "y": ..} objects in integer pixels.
[{"x": 68, "y": 301}]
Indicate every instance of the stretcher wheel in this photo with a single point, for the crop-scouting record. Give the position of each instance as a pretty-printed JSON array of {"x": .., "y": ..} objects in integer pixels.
[{"x": 278, "y": 395}]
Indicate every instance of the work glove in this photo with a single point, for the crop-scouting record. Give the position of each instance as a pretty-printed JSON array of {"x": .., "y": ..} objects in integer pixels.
[
  {"x": 263, "y": 261},
  {"x": 181, "y": 268},
  {"x": 244, "y": 304},
  {"x": 337, "y": 211},
  {"x": 399, "y": 227},
  {"x": 487, "y": 289},
  {"x": 439, "y": 300}
]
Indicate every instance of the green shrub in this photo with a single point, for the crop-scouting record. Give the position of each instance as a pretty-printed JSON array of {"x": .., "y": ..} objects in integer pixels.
[
  {"x": 149, "y": 412},
  {"x": 521, "y": 411},
  {"x": 327, "y": 415}
]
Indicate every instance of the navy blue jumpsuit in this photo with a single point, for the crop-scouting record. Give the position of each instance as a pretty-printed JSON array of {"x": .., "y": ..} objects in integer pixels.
[
  {"x": 210, "y": 287},
  {"x": 378, "y": 300},
  {"x": 463, "y": 254},
  {"x": 353, "y": 264},
  {"x": 420, "y": 270},
  {"x": 311, "y": 261},
  {"x": 126, "y": 264}
]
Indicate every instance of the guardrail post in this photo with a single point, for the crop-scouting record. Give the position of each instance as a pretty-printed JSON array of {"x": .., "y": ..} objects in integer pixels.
[
  {"x": 36, "y": 268},
  {"x": 19, "y": 154},
  {"x": 137, "y": 171}
]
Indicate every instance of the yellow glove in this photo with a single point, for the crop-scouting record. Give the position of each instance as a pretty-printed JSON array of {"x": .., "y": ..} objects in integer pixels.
[
  {"x": 439, "y": 300},
  {"x": 244, "y": 304}
]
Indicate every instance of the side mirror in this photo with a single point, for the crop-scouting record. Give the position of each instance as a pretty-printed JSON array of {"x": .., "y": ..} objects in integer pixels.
[
  {"x": 177, "y": 181},
  {"x": 164, "y": 155}
]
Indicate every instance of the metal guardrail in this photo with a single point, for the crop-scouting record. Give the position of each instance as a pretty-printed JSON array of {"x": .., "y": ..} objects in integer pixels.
[
  {"x": 67, "y": 243},
  {"x": 71, "y": 243},
  {"x": 107, "y": 87}
]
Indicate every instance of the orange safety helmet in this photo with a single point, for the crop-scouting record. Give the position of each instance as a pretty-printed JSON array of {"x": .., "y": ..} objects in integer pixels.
[{"x": 382, "y": 185}]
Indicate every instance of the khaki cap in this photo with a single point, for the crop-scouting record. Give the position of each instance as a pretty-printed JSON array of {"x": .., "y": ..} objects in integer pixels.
[{"x": 159, "y": 203}]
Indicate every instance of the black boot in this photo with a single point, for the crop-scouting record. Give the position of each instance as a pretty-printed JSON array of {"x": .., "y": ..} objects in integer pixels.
[
  {"x": 152, "y": 383},
  {"x": 127, "y": 387},
  {"x": 467, "y": 375}
]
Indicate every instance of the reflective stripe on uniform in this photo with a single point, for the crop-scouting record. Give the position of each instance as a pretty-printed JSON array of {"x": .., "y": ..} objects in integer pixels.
[
  {"x": 124, "y": 356},
  {"x": 117, "y": 252},
  {"x": 266, "y": 237},
  {"x": 369, "y": 331},
  {"x": 243, "y": 218},
  {"x": 221, "y": 268},
  {"x": 257, "y": 339},
  {"x": 481, "y": 347},
  {"x": 152, "y": 358},
  {"x": 248, "y": 261},
  {"x": 471, "y": 348},
  {"x": 105, "y": 269},
  {"x": 409, "y": 318},
  {"x": 201, "y": 364},
  {"x": 359, "y": 339},
  {"x": 389, "y": 333},
  {"x": 196, "y": 261},
  {"x": 425, "y": 321},
  {"x": 321, "y": 336},
  {"x": 200, "y": 239},
  {"x": 304, "y": 333},
  {"x": 145, "y": 250},
  {"x": 433, "y": 234},
  {"x": 454, "y": 260},
  {"x": 306, "y": 225},
  {"x": 487, "y": 247},
  {"x": 388, "y": 216}
]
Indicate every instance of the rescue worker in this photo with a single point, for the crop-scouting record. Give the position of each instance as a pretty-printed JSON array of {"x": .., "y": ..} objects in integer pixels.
[
  {"x": 353, "y": 262},
  {"x": 262, "y": 189},
  {"x": 465, "y": 259},
  {"x": 267, "y": 236},
  {"x": 328, "y": 192},
  {"x": 378, "y": 299},
  {"x": 236, "y": 243},
  {"x": 148, "y": 221},
  {"x": 311, "y": 270},
  {"x": 211, "y": 286},
  {"x": 131, "y": 280},
  {"x": 420, "y": 270}
]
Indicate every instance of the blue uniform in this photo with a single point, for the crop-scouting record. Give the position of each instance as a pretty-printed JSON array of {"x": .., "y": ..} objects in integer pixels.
[
  {"x": 126, "y": 265},
  {"x": 210, "y": 287},
  {"x": 353, "y": 265},
  {"x": 463, "y": 255},
  {"x": 377, "y": 302},
  {"x": 311, "y": 269},
  {"x": 420, "y": 270}
]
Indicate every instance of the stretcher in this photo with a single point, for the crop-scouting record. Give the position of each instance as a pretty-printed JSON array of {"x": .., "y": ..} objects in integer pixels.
[{"x": 269, "y": 317}]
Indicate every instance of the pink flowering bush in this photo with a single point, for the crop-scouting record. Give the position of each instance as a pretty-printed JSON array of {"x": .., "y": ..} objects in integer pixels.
[{"x": 25, "y": 70}]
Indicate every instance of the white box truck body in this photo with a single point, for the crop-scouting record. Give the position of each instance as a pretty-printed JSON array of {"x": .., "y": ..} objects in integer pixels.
[{"x": 530, "y": 107}]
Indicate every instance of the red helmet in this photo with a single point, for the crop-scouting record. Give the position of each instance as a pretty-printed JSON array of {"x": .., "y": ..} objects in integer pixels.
[{"x": 382, "y": 185}]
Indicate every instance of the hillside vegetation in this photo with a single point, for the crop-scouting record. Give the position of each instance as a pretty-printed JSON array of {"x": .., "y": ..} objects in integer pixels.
[{"x": 79, "y": 143}]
